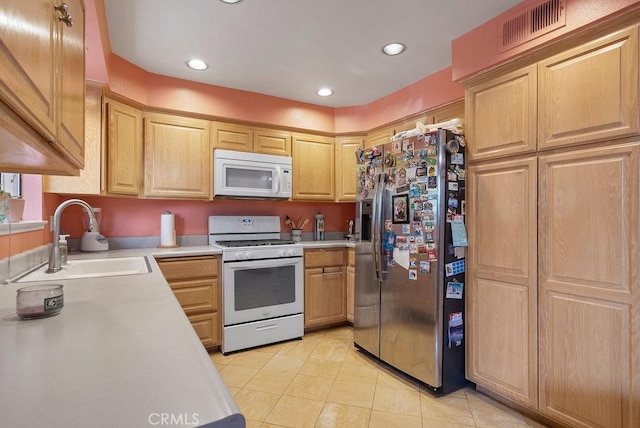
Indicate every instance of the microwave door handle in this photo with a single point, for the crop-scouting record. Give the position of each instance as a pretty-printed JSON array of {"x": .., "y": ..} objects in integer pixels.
[{"x": 279, "y": 179}]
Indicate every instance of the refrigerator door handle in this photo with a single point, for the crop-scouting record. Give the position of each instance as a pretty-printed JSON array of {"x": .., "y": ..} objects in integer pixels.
[
  {"x": 374, "y": 217},
  {"x": 377, "y": 223}
]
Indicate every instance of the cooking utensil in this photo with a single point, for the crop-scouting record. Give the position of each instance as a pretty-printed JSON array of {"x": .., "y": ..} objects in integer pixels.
[{"x": 289, "y": 222}]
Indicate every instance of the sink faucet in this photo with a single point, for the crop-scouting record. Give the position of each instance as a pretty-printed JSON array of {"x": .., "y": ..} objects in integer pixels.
[{"x": 55, "y": 264}]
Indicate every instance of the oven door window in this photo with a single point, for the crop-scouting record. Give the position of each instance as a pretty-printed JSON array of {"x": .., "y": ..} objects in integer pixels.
[
  {"x": 262, "y": 289},
  {"x": 257, "y": 288}
]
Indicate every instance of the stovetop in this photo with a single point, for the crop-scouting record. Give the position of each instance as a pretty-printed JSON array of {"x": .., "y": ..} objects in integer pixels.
[{"x": 254, "y": 243}]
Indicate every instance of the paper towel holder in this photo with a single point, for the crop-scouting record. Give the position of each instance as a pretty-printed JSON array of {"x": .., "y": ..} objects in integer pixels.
[{"x": 167, "y": 227}]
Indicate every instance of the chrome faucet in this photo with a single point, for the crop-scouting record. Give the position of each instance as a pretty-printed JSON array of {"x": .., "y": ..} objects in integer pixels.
[{"x": 55, "y": 263}]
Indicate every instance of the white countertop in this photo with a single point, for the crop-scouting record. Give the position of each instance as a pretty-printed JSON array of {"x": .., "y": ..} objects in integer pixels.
[{"x": 121, "y": 353}]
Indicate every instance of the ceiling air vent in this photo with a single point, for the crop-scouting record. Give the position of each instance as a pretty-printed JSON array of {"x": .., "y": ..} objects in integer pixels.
[{"x": 525, "y": 24}]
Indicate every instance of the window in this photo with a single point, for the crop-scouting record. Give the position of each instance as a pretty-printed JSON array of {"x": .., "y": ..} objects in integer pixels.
[{"x": 11, "y": 183}]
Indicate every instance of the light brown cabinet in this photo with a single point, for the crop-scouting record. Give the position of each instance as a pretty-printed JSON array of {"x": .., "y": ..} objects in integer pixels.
[
  {"x": 249, "y": 139},
  {"x": 502, "y": 338},
  {"x": 177, "y": 160},
  {"x": 553, "y": 295},
  {"x": 123, "y": 144},
  {"x": 313, "y": 167},
  {"x": 346, "y": 148},
  {"x": 42, "y": 91},
  {"x": 195, "y": 283},
  {"x": 89, "y": 182},
  {"x": 324, "y": 287},
  {"x": 589, "y": 284},
  {"x": 351, "y": 283},
  {"x": 501, "y": 115},
  {"x": 379, "y": 136},
  {"x": 589, "y": 93}
]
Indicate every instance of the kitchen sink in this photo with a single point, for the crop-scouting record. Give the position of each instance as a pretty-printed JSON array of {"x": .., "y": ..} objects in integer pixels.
[{"x": 91, "y": 268}]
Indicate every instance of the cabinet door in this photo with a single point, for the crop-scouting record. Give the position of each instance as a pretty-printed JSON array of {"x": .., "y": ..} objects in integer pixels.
[
  {"x": 70, "y": 69},
  {"x": 590, "y": 93},
  {"x": 501, "y": 115},
  {"x": 351, "y": 284},
  {"x": 313, "y": 168},
  {"x": 207, "y": 327},
  {"x": 272, "y": 142},
  {"x": 89, "y": 181},
  {"x": 324, "y": 296},
  {"x": 196, "y": 295},
  {"x": 232, "y": 137},
  {"x": 346, "y": 168},
  {"x": 501, "y": 304},
  {"x": 589, "y": 291},
  {"x": 177, "y": 157},
  {"x": 380, "y": 136},
  {"x": 27, "y": 62},
  {"x": 123, "y": 149}
]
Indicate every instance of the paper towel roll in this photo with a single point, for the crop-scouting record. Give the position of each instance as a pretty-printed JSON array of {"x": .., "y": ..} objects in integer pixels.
[{"x": 167, "y": 229}]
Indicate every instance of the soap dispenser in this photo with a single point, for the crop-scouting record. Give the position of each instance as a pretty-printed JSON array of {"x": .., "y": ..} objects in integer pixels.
[{"x": 64, "y": 249}]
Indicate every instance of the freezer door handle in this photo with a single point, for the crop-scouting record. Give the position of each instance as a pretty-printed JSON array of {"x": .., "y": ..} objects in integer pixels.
[{"x": 377, "y": 224}]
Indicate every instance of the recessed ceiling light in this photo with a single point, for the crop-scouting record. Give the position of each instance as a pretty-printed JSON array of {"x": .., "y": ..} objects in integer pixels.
[
  {"x": 197, "y": 64},
  {"x": 394, "y": 48},
  {"x": 324, "y": 92},
  {"x": 231, "y": 1}
]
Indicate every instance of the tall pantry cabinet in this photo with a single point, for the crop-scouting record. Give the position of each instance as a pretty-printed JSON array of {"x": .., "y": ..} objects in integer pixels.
[{"x": 553, "y": 287}]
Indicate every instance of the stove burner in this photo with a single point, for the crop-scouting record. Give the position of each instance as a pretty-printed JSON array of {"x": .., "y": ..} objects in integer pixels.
[{"x": 254, "y": 243}]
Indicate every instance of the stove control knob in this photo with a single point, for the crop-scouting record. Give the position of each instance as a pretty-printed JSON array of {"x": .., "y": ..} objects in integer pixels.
[
  {"x": 292, "y": 253},
  {"x": 248, "y": 255},
  {"x": 283, "y": 253},
  {"x": 238, "y": 256}
]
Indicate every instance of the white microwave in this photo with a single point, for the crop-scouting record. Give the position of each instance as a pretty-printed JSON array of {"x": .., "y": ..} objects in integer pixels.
[{"x": 251, "y": 175}]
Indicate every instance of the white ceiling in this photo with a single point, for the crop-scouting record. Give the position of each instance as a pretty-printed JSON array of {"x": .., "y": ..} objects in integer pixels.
[{"x": 291, "y": 48}]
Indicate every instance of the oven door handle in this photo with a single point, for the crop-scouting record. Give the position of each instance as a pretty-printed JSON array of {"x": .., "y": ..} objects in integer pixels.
[{"x": 254, "y": 264}]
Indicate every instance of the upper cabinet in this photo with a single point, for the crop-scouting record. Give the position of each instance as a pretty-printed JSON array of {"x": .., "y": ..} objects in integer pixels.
[
  {"x": 123, "y": 141},
  {"x": 346, "y": 148},
  {"x": 177, "y": 157},
  {"x": 313, "y": 167},
  {"x": 380, "y": 136},
  {"x": 582, "y": 95},
  {"x": 589, "y": 93},
  {"x": 272, "y": 142},
  {"x": 89, "y": 182},
  {"x": 501, "y": 115},
  {"x": 42, "y": 86},
  {"x": 242, "y": 138}
]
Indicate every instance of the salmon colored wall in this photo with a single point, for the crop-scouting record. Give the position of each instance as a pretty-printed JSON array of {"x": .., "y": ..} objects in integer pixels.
[
  {"x": 477, "y": 50},
  {"x": 167, "y": 92},
  {"x": 122, "y": 217},
  {"x": 96, "y": 68}
]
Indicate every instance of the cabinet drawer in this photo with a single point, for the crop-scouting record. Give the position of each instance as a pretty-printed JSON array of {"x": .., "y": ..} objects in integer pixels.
[
  {"x": 197, "y": 295},
  {"x": 207, "y": 327},
  {"x": 322, "y": 257},
  {"x": 193, "y": 267}
]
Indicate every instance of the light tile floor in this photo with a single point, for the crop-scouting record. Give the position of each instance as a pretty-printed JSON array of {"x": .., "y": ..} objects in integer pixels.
[{"x": 324, "y": 381}]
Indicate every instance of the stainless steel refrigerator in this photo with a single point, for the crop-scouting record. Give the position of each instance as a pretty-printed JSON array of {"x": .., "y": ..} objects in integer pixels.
[{"x": 410, "y": 248}]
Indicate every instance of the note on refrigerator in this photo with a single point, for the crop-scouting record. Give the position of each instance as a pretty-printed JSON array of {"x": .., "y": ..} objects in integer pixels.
[{"x": 459, "y": 232}]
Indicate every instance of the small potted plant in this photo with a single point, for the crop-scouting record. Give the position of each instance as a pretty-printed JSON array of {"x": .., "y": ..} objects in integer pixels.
[{"x": 11, "y": 208}]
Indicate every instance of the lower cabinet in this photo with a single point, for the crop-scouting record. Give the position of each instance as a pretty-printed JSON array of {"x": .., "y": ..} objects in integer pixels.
[
  {"x": 351, "y": 283},
  {"x": 324, "y": 287},
  {"x": 195, "y": 283}
]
